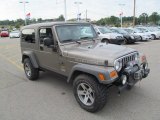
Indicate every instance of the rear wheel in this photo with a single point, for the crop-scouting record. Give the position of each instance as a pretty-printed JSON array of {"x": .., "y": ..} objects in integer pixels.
[
  {"x": 124, "y": 42},
  {"x": 153, "y": 37},
  {"x": 90, "y": 95},
  {"x": 31, "y": 72}
]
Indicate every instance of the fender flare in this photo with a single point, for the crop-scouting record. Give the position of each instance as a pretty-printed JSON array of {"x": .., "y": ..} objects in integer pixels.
[
  {"x": 31, "y": 56},
  {"x": 90, "y": 69}
]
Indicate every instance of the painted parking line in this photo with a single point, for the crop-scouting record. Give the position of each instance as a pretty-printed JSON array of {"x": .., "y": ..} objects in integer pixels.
[{"x": 13, "y": 63}]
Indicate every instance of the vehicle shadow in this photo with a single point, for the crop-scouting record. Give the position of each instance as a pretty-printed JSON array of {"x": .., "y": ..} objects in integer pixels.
[{"x": 116, "y": 104}]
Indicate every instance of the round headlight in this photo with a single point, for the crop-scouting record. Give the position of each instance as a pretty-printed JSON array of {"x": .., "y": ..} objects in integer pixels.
[
  {"x": 118, "y": 65},
  {"x": 136, "y": 57}
]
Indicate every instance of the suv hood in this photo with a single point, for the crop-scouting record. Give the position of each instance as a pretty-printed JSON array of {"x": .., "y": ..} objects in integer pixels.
[{"x": 95, "y": 53}]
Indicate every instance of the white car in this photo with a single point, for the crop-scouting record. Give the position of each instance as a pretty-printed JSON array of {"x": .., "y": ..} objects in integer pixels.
[
  {"x": 107, "y": 35},
  {"x": 144, "y": 35},
  {"x": 155, "y": 33},
  {"x": 14, "y": 34}
]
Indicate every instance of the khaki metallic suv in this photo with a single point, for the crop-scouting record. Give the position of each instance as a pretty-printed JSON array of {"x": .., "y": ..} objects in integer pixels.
[{"x": 74, "y": 51}]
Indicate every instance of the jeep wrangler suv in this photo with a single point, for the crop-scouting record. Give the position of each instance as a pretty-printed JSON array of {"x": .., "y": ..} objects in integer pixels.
[{"x": 74, "y": 50}]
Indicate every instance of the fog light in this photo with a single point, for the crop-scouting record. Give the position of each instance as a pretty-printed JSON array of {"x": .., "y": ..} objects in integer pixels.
[
  {"x": 146, "y": 66},
  {"x": 124, "y": 79}
]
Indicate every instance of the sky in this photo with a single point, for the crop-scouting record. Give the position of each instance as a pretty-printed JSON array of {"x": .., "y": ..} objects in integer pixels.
[{"x": 96, "y": 9}]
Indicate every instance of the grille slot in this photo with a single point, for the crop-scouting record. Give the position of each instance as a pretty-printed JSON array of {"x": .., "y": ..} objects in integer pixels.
[{"x": 127, "y": 59}]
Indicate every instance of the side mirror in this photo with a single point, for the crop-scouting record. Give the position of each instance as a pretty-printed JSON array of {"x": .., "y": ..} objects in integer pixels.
[
  {"x": 98, "y": 33},
  {"x": 48, "y": 42}
]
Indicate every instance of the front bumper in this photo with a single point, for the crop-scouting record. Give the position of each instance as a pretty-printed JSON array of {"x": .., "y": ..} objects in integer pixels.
[
  {"x": 133, "y": 75},
  {"x": 146, "y": 38},
  {"x": 118, "y": 41}
]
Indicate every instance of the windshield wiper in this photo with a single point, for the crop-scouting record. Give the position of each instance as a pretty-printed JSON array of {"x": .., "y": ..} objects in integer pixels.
[
  {"x": 71, "y": 40},
  {"x": 86, "y": 38},
  {"x": 68, "y": 40}
]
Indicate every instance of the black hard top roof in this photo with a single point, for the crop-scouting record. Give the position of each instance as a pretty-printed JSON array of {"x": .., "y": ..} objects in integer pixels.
[{"x": 51, "y": 24}]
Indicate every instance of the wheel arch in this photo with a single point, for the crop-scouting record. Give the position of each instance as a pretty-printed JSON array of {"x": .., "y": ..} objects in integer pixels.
[
  {"x": 77, "y": 73},
  {"x": 105, "y": 39},
  {"x": 31, "y": 56},
  {"x": 82, "y": 69}
]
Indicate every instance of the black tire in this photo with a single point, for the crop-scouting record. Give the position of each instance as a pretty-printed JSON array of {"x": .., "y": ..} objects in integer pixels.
[
  {"x": 34, "y": 72},
  {"x": 124, "y": 42},
  {"x": 99, "y": 92},
  {"x": 105, "y": 41},
  {"x": 154, "y": 37},
  {"x": 129, "y": 87},
  {"x": 141, "y": 38}
]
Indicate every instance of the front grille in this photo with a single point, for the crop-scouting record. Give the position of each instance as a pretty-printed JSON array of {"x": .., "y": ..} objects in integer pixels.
[
  {"x": 127, "y": 59},
  {"x": 119, "y": 37}
]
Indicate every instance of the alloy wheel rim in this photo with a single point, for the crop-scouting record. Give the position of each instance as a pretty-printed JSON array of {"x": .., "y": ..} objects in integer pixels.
[
  {"x": 85, "y": 94},
  {"x": 27, "y": 69}
]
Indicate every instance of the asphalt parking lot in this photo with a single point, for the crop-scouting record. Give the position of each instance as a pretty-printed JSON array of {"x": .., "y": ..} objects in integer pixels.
[{"x": 51, "y": 97}]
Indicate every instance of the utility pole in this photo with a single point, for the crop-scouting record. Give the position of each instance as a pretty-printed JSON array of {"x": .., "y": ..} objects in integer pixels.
[
  {"x": 86, "y": 15},
  {"x": 134, "y": 13},
  {"x": 121, "y": 14},
  {"x": 65, "y": 10},
  {"x": 78, "y": 13},
  {"x": 24, "y": 9}
]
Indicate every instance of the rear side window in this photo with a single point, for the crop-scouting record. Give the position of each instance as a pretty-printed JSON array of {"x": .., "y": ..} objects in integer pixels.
[{"x": 28, "y": 35}]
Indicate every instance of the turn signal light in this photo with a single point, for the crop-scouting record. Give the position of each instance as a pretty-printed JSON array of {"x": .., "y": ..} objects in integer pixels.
[
  {"x": 101, "y": 76},
  {"x": 113, "y": 74}
]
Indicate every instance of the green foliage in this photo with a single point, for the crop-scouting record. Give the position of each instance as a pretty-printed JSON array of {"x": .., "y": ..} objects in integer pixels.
[
  {"x": 154, "y": 18},
  {"x": 144, "y": 18},
  {"x": 60, "y": 18}
]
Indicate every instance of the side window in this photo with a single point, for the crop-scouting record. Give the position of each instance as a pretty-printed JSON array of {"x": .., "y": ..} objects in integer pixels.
[
  {"x": 28, "y": 35},
  {"x": 45, "y": 33}
]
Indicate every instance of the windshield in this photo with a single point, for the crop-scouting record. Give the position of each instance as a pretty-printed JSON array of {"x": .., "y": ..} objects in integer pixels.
[
  {"x": 104, "y": 30},
  {"x": 71, "y": 33},
  {"x": 152, "y": 29},
  {"x": 15, "y": 32},
  {"x": 122, "y": 31},
  {"x": 129, "y": 31},
  {"x": 138, "y": 31},
  {"x": 143, "y": 29}
]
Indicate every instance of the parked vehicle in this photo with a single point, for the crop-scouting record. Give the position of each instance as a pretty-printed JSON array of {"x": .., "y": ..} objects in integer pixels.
[
  {"x": 108, "y": 36},
  {"x": 144, "y": 36},
  {"x": 4, "y": 34},
  {"x": 92, "y": 66},
  {"x": 155, "y": 33},
  {"x": 129, "y": 38},
  {"x": 14, "y": 34}
]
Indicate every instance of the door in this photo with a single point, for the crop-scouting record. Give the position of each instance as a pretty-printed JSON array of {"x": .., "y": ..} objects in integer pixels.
[{"x": 47, "y": 58}]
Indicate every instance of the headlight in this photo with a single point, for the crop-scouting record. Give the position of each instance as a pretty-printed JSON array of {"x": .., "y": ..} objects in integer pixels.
[
  {"x": 132, "y": 37},
  {"x": 118, "y": 65},
  {"x": 137, "y": 57}
]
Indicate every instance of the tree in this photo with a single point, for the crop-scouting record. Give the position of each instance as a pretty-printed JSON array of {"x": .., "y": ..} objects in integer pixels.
[
  {"x": 154, "y": 17},
  {"x": 143, "y": 18},
  {"x": 39, "y": 20},
  {"x": 60, "y": 18}
]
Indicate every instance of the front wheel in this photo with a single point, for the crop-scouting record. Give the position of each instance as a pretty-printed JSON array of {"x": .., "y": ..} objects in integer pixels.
[
  {"x": 90, "y": 95},
  {"x": 105, "y": 41},
  {"x": 31, "y": 72}
]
